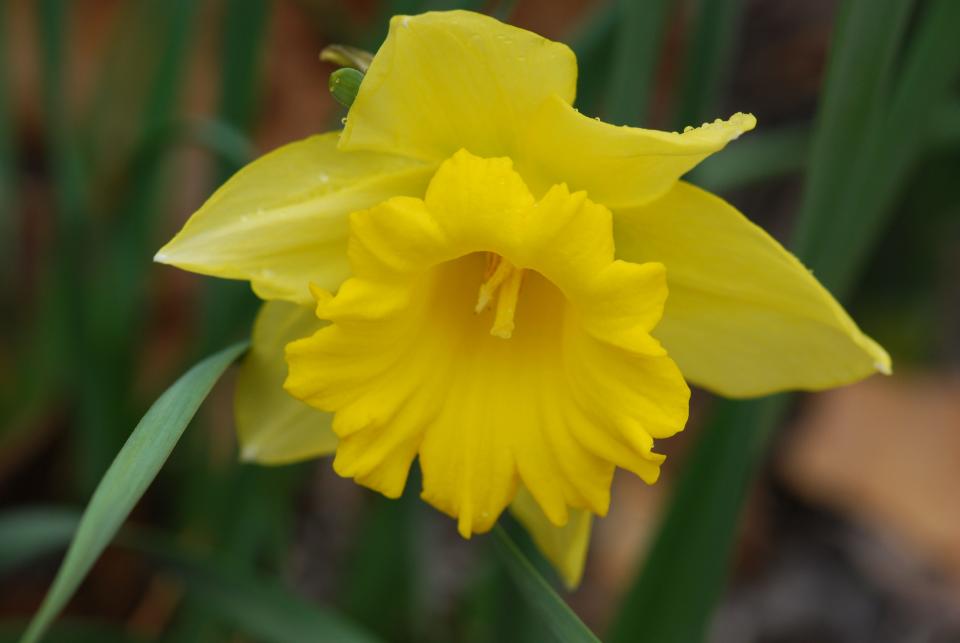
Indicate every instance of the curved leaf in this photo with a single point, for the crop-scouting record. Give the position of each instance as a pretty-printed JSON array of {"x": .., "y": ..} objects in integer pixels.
[
  {"x": 127, "y": 478},
  {"x": 556, "y": 614}
]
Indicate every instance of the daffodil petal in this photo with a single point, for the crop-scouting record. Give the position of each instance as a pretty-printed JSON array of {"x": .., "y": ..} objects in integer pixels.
[
  {"x": 412, "y": 364},
  {"x": 281, "y": 222},
  {"x": 744, "y": 317},
  {"x": 448, "y": 80},
  {"x": 565, "y": 547},
  {"x": 273, "y": 426},
  {"x": 617, "y": 166}
]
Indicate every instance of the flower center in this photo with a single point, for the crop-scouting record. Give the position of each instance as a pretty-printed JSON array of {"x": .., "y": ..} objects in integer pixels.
[{"x": 502, "y": 282}]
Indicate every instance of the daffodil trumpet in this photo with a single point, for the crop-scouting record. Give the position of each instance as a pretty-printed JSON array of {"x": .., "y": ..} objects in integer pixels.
[{"x": 475, "y": 275}]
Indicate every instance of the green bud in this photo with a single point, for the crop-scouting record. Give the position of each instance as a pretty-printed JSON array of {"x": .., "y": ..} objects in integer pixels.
[{"x": 344, "y": 85}]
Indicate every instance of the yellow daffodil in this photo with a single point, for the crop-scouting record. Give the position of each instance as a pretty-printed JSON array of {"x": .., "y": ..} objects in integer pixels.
[{"x": 474, "y": 274}]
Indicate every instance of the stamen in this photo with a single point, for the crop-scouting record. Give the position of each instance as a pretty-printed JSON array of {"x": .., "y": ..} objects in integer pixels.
[
  {"x": 507, "y": 305},
  {"x": 502, "y": 276},
  {"x": 493, "y": 260},
  {"x": 489, "y": 287}
]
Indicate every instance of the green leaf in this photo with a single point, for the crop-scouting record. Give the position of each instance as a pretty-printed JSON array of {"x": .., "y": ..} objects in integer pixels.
[
  {"x": 62, "y": 288},
  {"x": 639, "y": 34},
  {"x": 709, "y": 56},
  {"x": 28, "y": 533},
  {"x": 593, "y": 44},
  {"x": 857, "y": 90},
  {"x": 944, "y": 131},
  {"x": 686, "y": 568},
  {"x": 257, "y": 607},
  {"x": 556, "y": 614},
  {"x": 672, "y": 598},
  {"x": 836, "y": 241},
  {"x": 380, "y": 589},
  {"x": 128, "y": 477},
  {"x": 261, "y": 609},
  {"x": 755, "y": 158}
]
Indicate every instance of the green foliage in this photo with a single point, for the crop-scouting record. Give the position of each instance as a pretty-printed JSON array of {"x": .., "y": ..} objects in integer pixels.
[
  {"x": 254, "y": 606},
  {"x": 555, "y": 614},
  {"x": 710, "y": 49},
  {"x": 128, "y": 477},
  {"x": 857, "y": 164},
  {"x": 672, "y": 599},
  {"x": 639, "y": 34},
  {"x": 32, "y": 532}
]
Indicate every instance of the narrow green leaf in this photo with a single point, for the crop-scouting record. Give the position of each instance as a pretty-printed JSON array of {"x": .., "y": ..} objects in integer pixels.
[
  {"x": 128, "y": 477},
  {"x": 64, "y": 299},
  {"x": 686, "y": 569},
  {"x": 380, "y": 588},
  {"x": 257, "y": 607},
  {"x": 245, "y": 24},
  {"x": 755, "y": 158},
  {"x": 260, "y": 608},
  {"x": 835, "y": 242},
  {"x": 228, "y": 307},
  {"x": 134, "y": 89},
  {"x": 556, "y": 614},
  {"x": 241, "y": 509},
  {"x": 28, "y": 533},
  {"x": 709, "y": 57},
  {"x": 119, "y": 294},
  {"x": 640, "y": 29},
  {"x": 593, "y": 44},
  {"x": 267, "y": 612},
  {"x": 856, "y": 94},
  {"x": 944, "y": 128}
]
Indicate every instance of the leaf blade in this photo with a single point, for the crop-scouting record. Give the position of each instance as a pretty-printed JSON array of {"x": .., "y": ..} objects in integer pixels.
[
  {"x": 27, "y": 533},
  {"x": 256, "y": 607},
  {"x": 639, "y": 35},
  {"x": 556, "y": 614},
  {"x": 671, "y": 599},
  {"x": 127, "y": 479},
  {"x": 262, "y": 609}
]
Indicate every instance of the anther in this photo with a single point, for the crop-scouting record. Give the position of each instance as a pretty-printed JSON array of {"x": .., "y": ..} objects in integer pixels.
[
  {"x": 502, "y": 281},
  {"x": 507, "y": 305},
  {"x": 489, "y": 287}
]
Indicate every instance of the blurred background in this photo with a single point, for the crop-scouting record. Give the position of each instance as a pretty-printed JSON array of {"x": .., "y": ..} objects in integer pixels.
[{"x": 117, "y": 119}]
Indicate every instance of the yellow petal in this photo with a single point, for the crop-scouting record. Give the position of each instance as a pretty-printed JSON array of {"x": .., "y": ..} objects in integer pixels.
[
  {"x": 565, "y": 547},
  {"x": 617, "y": 166},
  {"x": 412, "y": 365},
  {"x": 273, "y": 426},
  {"x": 281, "y": 222},
  {"x": 446, "y": 80},
  {"x": 744, "y": 316}
]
